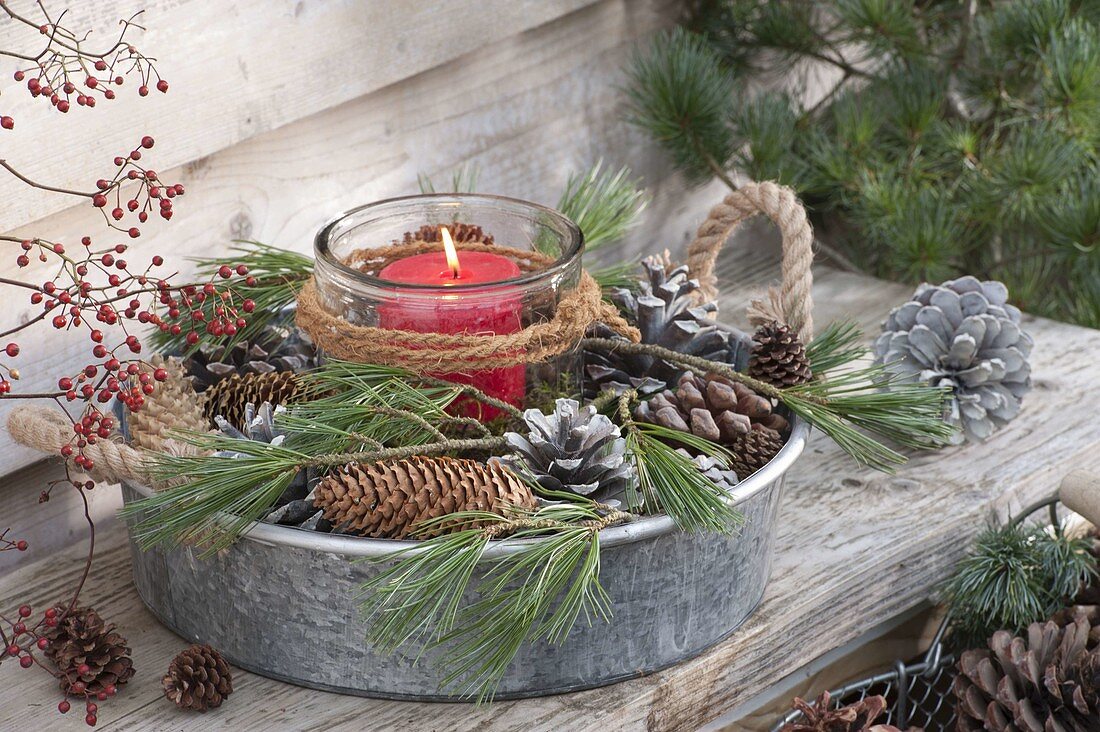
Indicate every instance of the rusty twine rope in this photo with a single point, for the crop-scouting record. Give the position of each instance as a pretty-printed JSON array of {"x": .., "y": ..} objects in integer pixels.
[
  {"x": 792, "y": 302},
  {"x": 444, "y": 352}
]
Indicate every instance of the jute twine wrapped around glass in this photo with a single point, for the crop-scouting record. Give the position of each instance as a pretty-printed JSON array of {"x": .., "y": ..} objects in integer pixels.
[{"x": 504, "y": 313}]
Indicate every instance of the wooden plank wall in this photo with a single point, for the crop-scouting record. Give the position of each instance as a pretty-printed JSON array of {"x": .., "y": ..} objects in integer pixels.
[{"x": 282, "y": 114}]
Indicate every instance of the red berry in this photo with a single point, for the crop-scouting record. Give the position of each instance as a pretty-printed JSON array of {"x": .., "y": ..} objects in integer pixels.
[
  {"x": 162, "y": 86},
  {"x": 147, "y": 142},
  {"x": 99, "y": 200},
  {"x": 192, "y": 338},
  {"x": 90, "y": 720},
  {"x": 21, "y": 545},
  {"x": 13, "y": 650},
  {"x": 117, "y": 213},
  {"x": 7, "y": 122},
  {"x": 158, "y": 260},
  {"x": 143, "y": 91},
  {"x": 160, "y": 374},
  {"x": 26, "y": 661},
  {"x": 24, "y": 611},
  {"x": 83, "y": 669},
  {"x": 64, "y": 707},
  {"x": 92, "y": 708},
  {"x": 225, "y": 272},
  {"x": 63, "y": 106},
  {"x": 43, "y": 643},
  {"x": 19, "y": 75},
  {"x": 91, "y": 82},
  {"x": 248, "y": 306},
  {"x": 100, "y": 65},
  {"x": 134, "y": 232},
  {"x": 12, "y": 349}
]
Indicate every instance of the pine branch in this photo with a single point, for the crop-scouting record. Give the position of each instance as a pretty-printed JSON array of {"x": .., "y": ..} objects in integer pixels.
[
  {"x": 680, "y": 94},
  {"x": 538, "y": 590},
  {"x": 603, "y": 204},
  {"x": 871, "y": 399}
]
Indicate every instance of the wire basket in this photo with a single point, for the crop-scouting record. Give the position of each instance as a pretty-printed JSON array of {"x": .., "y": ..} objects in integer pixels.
[{"x": 917, "y": 694}]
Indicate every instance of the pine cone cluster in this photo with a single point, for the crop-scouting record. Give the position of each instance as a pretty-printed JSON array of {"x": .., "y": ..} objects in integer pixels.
[
  {"x": 388, "y": 499},
  {"x": 198, "y": 679},
  {"x": 276, "y": 349},
  {"x": 173, "y": 405},
  {"x": 721, "y": 411},
  {"x": 574, "y": 449},
  {"x": 778, "y": 356},
  {"x": 823, "y": 716},
  {"x": 1045, "y": 681},
  {"x": 460, "y": 234},
  {"x": 665, "y": 315},
  {"x": 82, "y": 640},
  {"x": 230, "y": 397},
  {"x": 963, "y": 335},
  {"x": 293, "y": 507}
]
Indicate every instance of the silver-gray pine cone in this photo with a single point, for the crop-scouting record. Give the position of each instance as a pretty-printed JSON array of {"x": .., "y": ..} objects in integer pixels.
[
  {"x": 575, "y": 449},
  {"x": 962, "y": 334},
  {"x": 294, "y": 507},
  {"x": 664, "y": 313}
]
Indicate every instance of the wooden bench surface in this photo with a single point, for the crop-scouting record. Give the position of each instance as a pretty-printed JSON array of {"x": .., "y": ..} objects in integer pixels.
[{"x": 855, "y": 549}]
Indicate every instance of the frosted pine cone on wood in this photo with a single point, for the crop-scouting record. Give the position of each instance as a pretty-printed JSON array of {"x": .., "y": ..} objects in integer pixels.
[{"x": 964, "y": 335}]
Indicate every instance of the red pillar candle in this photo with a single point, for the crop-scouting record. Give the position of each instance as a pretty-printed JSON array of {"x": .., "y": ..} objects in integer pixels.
[{"x": 468, "y": 311}]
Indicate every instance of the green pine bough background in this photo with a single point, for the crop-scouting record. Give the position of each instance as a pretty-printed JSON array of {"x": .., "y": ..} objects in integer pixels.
[{"x": 962, "y": 137}]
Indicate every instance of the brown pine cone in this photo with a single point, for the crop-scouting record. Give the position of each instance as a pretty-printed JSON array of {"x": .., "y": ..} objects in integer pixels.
[
  {"x": 460, "y": 233},
  {"x": 778, "y": 356},
  {"x": 1048, "y": 679},
  {"x": 389, "y": 498},
  {"x": 753, "y": 450},
  {"x": 821, "y": 716},
  {"x": 198, "y": 678},
  {"x": 82, "y": 640},
  {"x": 173, "y": 405},
  {"x": 714, "y": 408},
  {"x": 228, "y": 397}
]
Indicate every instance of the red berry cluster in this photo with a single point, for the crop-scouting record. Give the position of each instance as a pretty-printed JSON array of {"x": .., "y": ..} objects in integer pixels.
[
  {"x": 65, "y": 72},
  {"x": 133, "y": 190},
  {"x": 104, "y": 298},
  {"x": 25, "y": 639}
]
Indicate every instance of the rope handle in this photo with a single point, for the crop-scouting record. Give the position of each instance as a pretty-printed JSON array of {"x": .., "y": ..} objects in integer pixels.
[
  {"x": 792, "y": 303},
  {"x": 47, "y": 430},
  {"x": 1080, "y": 493}
]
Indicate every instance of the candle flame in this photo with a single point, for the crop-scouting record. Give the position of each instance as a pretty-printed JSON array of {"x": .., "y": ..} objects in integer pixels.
[{"x": 449, "y": 248}]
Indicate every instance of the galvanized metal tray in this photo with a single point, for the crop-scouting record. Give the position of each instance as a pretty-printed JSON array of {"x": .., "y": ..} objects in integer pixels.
[{"x": 281, "y": 602}]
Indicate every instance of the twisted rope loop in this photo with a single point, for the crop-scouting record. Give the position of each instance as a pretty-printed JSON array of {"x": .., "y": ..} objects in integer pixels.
[
  {"x": 443, "y": 352},
  {"x": 47, "y": 430},
  {"x": 792, "y": 302}
]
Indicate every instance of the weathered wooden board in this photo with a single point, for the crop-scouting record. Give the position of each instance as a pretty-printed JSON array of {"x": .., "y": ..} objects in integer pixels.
[
  {"x": 236, "y": 70},
  {"x": 526, "y": 111},
  {"x": 855, "y": 549}
]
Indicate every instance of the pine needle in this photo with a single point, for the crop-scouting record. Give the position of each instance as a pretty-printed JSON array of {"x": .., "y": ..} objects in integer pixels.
[{"x": 603, "y": 204}]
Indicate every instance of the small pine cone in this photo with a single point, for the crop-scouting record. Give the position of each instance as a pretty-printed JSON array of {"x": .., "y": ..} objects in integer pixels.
[
  {"x": 778, "y": 356},
  {"x": 460, "y": 234},
  {"x": 173, "y": 405},
  {"x": 389, "y": 498},
  {"x": 753, "y": 449},
  {"x": 198, "y": 678},
  {"x": 229, "y": 398},
  {"x": 824, "y": 716},
  {"x": 82, "y": 638}
]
